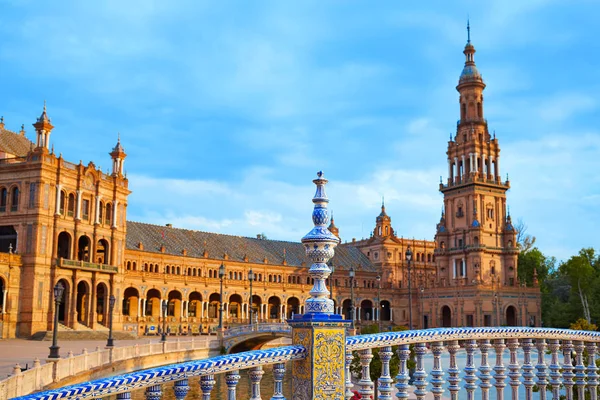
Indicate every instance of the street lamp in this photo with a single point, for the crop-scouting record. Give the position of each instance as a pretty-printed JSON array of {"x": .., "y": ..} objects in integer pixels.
[
  {"x": 163, "y": 337},
  {"x": 496, "y": 309},
  {"x": 351, "y": 274},
  {"x": 111, "y": 307},
  {"x": 408, "y": 255},
  {"x": 221, "y": 275},
  {"x": 251, "y": 278},
  {"x": 58, "y": 292},
  {"x": 379, "y": 301},
  {"x": 422, "y": 290},
  {"x": 332, "y": 268}
]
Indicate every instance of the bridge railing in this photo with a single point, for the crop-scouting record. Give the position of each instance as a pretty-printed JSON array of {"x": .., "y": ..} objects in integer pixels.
[
  {"x": 558, "y": 361},
  {"x": 256, "y": 328}
]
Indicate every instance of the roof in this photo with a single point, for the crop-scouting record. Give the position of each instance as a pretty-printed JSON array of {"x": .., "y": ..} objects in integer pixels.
[
  {"x": 14, "y": 143},
  {"x": 236, "y": 247}
]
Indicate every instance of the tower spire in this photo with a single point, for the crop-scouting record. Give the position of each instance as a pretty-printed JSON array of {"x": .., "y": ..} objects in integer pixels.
[{"x": 468, "y": 31}]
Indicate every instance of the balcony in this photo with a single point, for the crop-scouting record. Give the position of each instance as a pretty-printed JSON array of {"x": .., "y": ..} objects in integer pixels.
[{"x": 87, "y": 266}]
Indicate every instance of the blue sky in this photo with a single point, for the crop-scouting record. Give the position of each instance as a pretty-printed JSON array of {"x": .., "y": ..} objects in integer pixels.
[{"x": 228, "y": 109}]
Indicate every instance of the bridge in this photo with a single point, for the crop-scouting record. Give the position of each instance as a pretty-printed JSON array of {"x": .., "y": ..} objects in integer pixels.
[{"x": 252, "y": 337}]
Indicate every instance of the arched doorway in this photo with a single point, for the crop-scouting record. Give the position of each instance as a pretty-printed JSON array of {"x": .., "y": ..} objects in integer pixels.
[
  {"x": 511, "y": 316},
  {"x": 64, "y": 245},
  {"x": 366, "y": 310},
  {"x": 256, "y": 304},
  {"x": 63, "y": 314},
  {"x": 293, "y": 307},
  {"x": 347, "y": 309},
  {"x": 82, "y": 304},
  {"x": 102, "y": 252},
  {"x": 195, "y": 305},
  {"x": 235, "y": 306},
  {"x": 8, "y": 239},
  {"x": 214, "y": 302},
  {"x": 446, "y": 317},
  {"x": 386, "y": 311},
  {"x": 130, "y": 302},
  {"x": 152, "y": 303},
  {"x": 83, "y": 248},
  {"x": 273, "y": 307},
  {"x": 101, "y": 303},
  {"x": 174, "y": 305}
]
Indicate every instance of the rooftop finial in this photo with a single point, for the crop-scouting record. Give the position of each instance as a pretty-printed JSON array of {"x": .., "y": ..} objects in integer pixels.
[
  {"x": 382, "y": 201},
  {"x": 468, "y": 31},
  {"x": 44, "y": 105}
]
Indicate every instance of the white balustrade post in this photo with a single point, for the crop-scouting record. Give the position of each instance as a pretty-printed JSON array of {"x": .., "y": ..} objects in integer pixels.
[
  {"x": 255, "y": 375},
  {"x": 278, "y": 375},
  {"x": 402, "y": 378},
  {"x": 499, "y": 368},
  {"x": 470, "y": 377},
  {"x": 349, "y": 385},
  {"x": 541, "y": 367},
  {"x": 365, "y": 383},
  {"x": 453, "y": 371},
  {"x": 555, "y": 375},
  {"x": 592, "y": 370},
  {"x": 420, "y": 375},
  {"x": 437, "y": 373},
  {"x": 579, "y": 369},
  {"x": 485, "y": 369},
  {"x": 231, "y": 379},
  {"x": 385, "y": 380},
  {"x": 181, "y": 389},
  {"x": 153, "y": 392},
  {"x": 567, "y": 367},
  {"x": 207, "y": 383},
  {"x": 514, "y": 367},
  {"x": 527, "y": 345}
]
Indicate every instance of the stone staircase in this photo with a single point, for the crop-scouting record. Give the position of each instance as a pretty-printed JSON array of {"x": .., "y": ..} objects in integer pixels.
[{"x": 82, "y": 332}]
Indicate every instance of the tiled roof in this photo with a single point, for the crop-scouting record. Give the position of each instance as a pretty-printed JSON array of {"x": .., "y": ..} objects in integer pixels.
[
  {"x": 236, "y": 247},
  {"x": 14, "y": 143}
]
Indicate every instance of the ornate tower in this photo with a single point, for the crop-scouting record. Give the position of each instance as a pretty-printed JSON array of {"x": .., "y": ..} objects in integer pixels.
[
  {"x": 118, "y": 157},
  {"x": 475, "y": 238},
  {"x": 383, "y": 224},
  {"x": 43, "y": 128}
]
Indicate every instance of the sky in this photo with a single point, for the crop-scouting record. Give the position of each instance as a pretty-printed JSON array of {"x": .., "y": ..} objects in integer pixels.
[{"x": 228, "y": 109}]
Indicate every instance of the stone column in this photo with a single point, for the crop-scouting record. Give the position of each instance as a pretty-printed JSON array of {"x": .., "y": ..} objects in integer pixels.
[
  {"x": 78, "y": 209},
  {"x": 4, "y": 295},
  {"x": 57, "y": 208},
  {"x": 97, "y": 213},
  {"x": 114, "y": 211},
  {"x": 456, "y": 169},
  {"x": 464, "y": 167}
]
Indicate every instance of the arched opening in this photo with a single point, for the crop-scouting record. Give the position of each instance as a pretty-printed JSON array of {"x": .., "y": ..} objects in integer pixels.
[
  {"x": 195, "y": 305},
  {"x": 293, "y": 307},
  {"x": 174, "y": 305},
  {"x": 8, "y": 238},
  {"x": 83, "y": 246},
  {"x": 14, "y": 199},
  {"x": 3, "y": 199},
  {"x": 130, "y": 302},
  {"x": 511, "y": 316},
  {"x": 446, "y": 317},
  {"x": 102, "y": 252},
  {"x": 153, "y": 303},
  {"x": 366, "y": 310},
  {"x": 386, "y": 311},
  {"x": 71, "y": 205},
  {"x": 101, "y": 303},
  {"x": 476, "y": 241},
  {"x": 274, "y": 307},
  {"x": 213, "y": 305},
  {"x": 256, "y": 303},
  {"x": 235, "y": 306},
  {"x": 479, "y": 110},
  {"x": 64, "y": 303},
  {"x": 82, "y": 304},
  {"x": 64, "y": 245},
  {"x": 108, "y": 214},
  {"x": 347, "y": 309}
]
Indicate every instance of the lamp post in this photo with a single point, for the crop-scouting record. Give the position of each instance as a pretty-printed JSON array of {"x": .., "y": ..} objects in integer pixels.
[
  {"x": 422, "y": 290},
  {"x": 111, "y": 307},
  {"x": 351, "y": 274},
  {"x": 408, "y": 255},
  {"x": 250, "y": 278},
  {"x": 379, "y": 301},
  {"x": 58, "y": 293},
  {"x": 221, "y": 275},
  {"x": 332, "y": 268},
  {"x": 496, "y": 309},
  {"x": 163, "y": 337}
]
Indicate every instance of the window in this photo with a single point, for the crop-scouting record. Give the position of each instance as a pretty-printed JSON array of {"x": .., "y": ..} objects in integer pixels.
[
  {"x": 487, "y": 320},
  {"x": 460, "y": 243},
  {"x": 32, "y": 194},
  {"x": 85, "y": 209},
  {"x": 62, "y": 203},
  {"x": 3, "y": 199},
  {"x": 71, "y": 205},
  {"x": 14, "y": 199},
  {"x": 459, "y": 212},
  {"x": 470, "y": 321},
  {"x": 108, "y": 214}
]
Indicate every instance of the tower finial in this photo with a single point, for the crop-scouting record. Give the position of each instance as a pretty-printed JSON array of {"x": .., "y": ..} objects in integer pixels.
[
  {"x": 468, "y": 31},
  {"x": 44, "y": 105},
  {"x": 382, "y": 201}
]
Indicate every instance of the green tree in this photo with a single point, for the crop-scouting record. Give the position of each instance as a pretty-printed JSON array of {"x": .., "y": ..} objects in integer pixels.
[
  {"x": 582, "y": 273},
  {"x": 532, "y": 262}
]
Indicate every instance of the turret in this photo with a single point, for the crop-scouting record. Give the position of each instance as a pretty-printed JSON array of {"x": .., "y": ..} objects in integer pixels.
[
  {"x": 43, "y": 128},
  {"x": 118, "y": 156}
]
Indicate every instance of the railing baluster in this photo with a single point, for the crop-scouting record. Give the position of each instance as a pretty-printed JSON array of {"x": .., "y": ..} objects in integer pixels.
[
  {"x": 568, "y": 374},
  {"x": 124, "y": 396},
  {"x": 453, "y": 371},
  {"x": 365, "y": 383},
  {"x": 385, "y": 380},
  {"x": 181, "y": 389},
  {"x": 402, "y": 377},
  {"x": 499, "y": 368},
  {"x": 485, "y": 369},
  {"x": 437, "y": 373},
  {"x": 555, "y": 375},
  {"x": 278, "y": 375},
  {"x": 592, "y": 370},
  {"x": 420, "y": 375},
  {"x": 349, "y": 385},
  {"x": 255, "y": 375},
  {"x": 470, "y": 377},
  {"x": 153, "y": 392},
  {"x": 231, "y": 380},
  {"x": 514, "y": 367},
  {"x": 207, "y": 383},
  {"x": 527, "y": 345},
  {"x": 579, "y": 369},
  {"x": 542, "y": 372}
]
